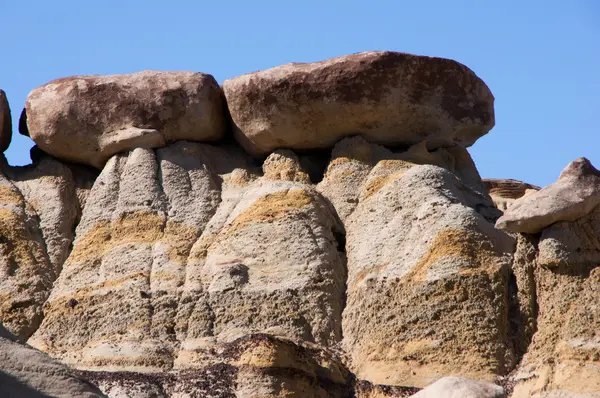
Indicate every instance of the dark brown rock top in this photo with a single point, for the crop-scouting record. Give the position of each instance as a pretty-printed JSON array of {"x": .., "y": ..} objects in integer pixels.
[{"x": 389, "y": 97}]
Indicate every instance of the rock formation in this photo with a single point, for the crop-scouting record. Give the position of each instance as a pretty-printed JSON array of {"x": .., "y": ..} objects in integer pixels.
[
  {"x": 87, "y": 119},
  {"x": 337, "y": 241},
  {"x": 571, "y": 197},
  {"x": 505, "y": 192},
  {"x": 388, "y": 97}
]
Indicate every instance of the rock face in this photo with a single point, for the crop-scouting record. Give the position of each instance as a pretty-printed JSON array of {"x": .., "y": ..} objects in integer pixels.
[
  {"x": 39, "y": 206},
  {"x": 26, "y": 372},
  {"x": 505, "y": 192},
  {"x": 5, "y": 122},
  {"x": 415, "y": 232},
  {"x": 335, "y": 267},
  {"x": 572, "y": 196},
  {"x": 388, "y": 97},
  {"x": 564, "y": 356},
  {"x": 460, "y": 387},
  {"x": 87, "y": 119}
]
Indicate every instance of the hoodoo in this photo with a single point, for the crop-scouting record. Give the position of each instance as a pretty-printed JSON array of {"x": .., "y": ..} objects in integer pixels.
[{"x": 311, "y": 230}]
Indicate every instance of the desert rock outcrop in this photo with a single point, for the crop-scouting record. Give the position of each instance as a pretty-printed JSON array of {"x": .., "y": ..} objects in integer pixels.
[
  {"x": 388, "y": 97},
  {"x": 39, "y": 207},
  {"x": 88, "y": 119},
  {"x": 356, "y": 256},
  {"x": 572, "y": 196}
]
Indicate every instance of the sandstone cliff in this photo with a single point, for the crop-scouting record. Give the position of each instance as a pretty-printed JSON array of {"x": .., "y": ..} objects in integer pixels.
[{"x": 312, "y": 230}]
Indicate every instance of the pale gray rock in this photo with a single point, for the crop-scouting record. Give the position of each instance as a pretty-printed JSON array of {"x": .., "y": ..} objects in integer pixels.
[
  {"x": 572, "y": 196},
  {"x": 88, "y": 119},
  {"x": 26, "y": 372},
  {"x": 5, "y": 122},
  {"x": 268, "y": 262},
  {"x": 564, "y": 355},
  {"x": 128, "y": 263},
  {"x": 389, "y": 97},
  {"x": 39, "y": 208},
  {"x": 416, "y": 233},
  {"x": 460, "y": 387}
]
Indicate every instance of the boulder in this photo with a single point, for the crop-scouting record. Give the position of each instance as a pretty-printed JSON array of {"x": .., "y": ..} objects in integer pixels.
[
  {"x": 572, "y": 196},
  {"x": 460, "y": 387},
  {"x": 504, "y": 192},
  {"x": 88, "y": 119},
  {"x": 388, "y": 97},
  {"x": 26, "y": 372},
  {"x": 5, "y": 123}
]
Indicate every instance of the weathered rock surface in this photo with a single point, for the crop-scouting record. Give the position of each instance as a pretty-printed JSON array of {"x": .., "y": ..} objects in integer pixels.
[
  {"x": 26, "y": 372},
  {"x": 256, "y": 365},
  {"x": 38, "y": 210},
  {"x": 416, "y": 234},
  {"x": 5, "y": 122},
  {"x": 504, "y": 192},
  {"x": 389, "y": 97},
  {"x": 88, "y": 119},
  {"x": 460, "y": 387},
  {"x": 572, "y": 196},
  {"x": 354, "y": 269},
  {"x": 564, "y": 356}
]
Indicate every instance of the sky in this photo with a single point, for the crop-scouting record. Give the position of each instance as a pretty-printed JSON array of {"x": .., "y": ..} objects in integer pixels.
[{"x": 540, "y": 58}]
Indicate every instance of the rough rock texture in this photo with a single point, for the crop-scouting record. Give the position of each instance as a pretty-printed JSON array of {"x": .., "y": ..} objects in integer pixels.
[
  {"x": 572, "y": 196},
  {"x": 421, "y": 260},
  {"x": 391, "y": 98},
  {"x": 460, "y": 387},
  {"x": 168, "y": 252},
  {"x": 26, "y": 372},
  {"x": 504, "y": 192},
  {"x": 5, "y": 122},
  {"x": 564, "y": 356},
  {"x": 256, "y": 365},
  {"x": 38, "y": 210},
  {"x": 87, "y": 119},
  {"x": 353, "y": 270}
]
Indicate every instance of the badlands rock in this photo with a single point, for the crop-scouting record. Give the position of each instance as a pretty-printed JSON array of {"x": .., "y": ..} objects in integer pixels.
[
  {"x": 572, "y": 196},
  {"x": 415, "y": 234},
  {"x": 564, "y": 356},
  {"x": 39, "y": 207},
  {"x": 26, "y": 372},
  {"x": 460, "y": 387},
  {"x": 388, "y": 97},
  {"x": 505, "y": 192},
  {"x": 252, "y": 366},
  {"x": 88, "y": 119},
  {"x": 5, "y": 122},
  {"x": 170, "y": 251}
]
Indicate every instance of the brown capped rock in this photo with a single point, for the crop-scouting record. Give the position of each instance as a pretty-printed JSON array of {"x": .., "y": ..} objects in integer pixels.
[
  {"x": 572, "y": 196},
  {"x": 87, "y": 119},
  {"x": 388, "y": 97},
  {"x": 5, "y": 122}
]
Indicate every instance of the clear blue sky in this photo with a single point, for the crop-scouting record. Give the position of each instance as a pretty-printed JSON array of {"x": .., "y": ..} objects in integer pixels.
[{"x": 541, "y": 58}]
